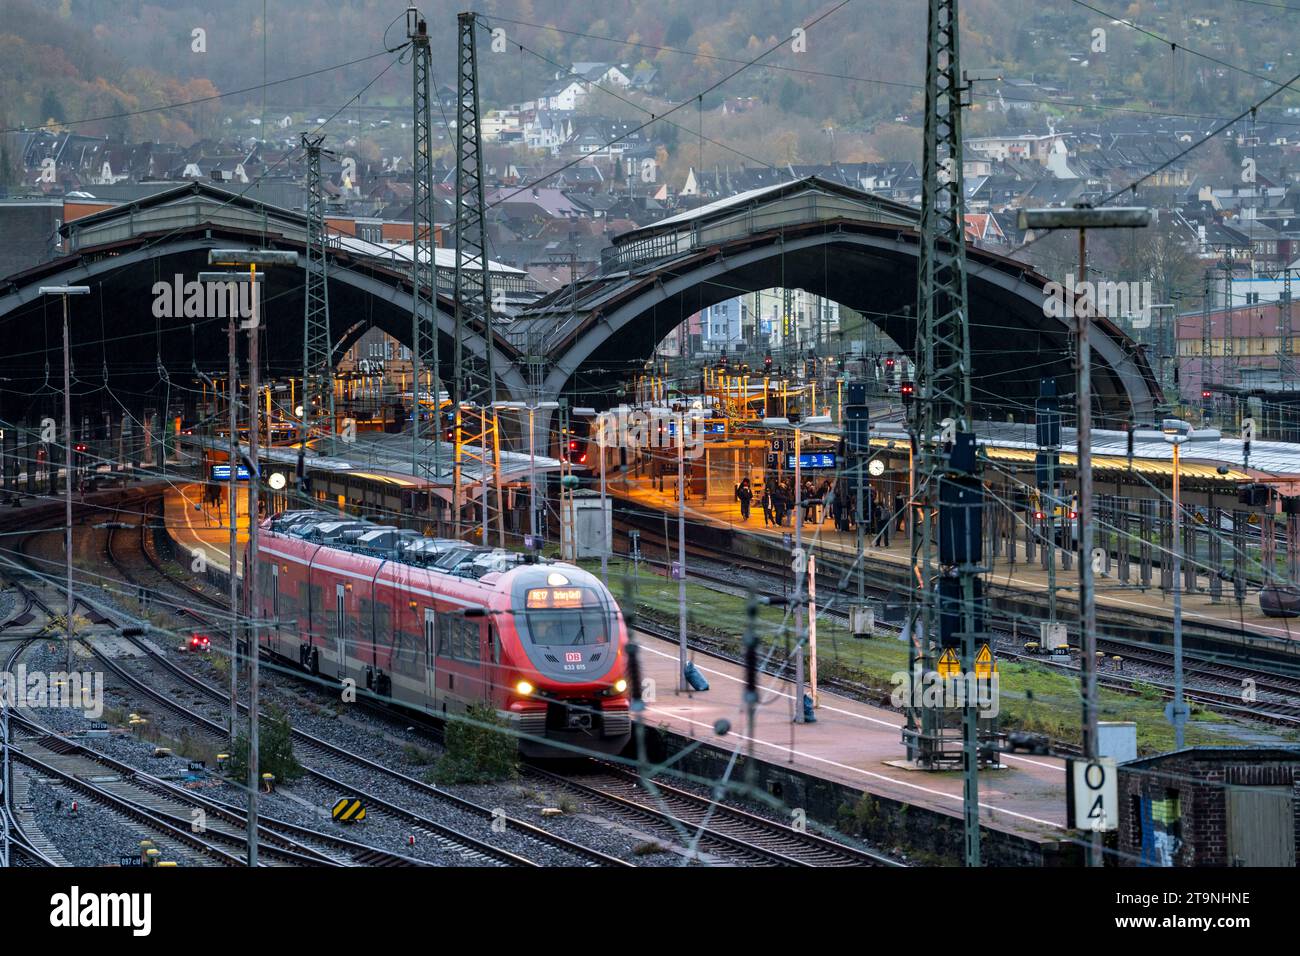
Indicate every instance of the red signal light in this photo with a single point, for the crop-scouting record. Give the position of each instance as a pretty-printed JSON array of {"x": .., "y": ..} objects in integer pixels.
[
  {"x": 889, "y": 363},
  {"x": 1039, "y": 516}
]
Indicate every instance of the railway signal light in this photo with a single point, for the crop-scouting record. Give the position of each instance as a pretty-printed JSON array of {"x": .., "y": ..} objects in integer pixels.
[{"x": 908, "y": 391}]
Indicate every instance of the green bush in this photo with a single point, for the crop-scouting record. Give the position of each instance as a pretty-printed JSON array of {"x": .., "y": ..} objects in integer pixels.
[
  {"x": 275, "y": 749},
  {"x": 478, "y": 749}
]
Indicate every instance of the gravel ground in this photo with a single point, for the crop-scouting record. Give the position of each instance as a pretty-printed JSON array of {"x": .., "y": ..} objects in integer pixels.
[
  {"x": 93, "y": 836},
  {"x": 407, "y": 749}
]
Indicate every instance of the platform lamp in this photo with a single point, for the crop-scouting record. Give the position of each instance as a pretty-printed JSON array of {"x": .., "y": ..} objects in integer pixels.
[
  {"x": 1177, "y": 709},
  {"x": 250, "y": 258},
  {"x": 532, "y": 410},
  {"x": 1084, "y": 217},
  {"x": 606, "y": 530},
  {"x": 63, "y": 291},
  {"x": 798, "y": 561}
]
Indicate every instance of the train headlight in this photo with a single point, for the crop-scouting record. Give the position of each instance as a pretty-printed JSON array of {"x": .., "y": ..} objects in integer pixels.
[
  {"x": 620, "y": 685},
  {"x": 523, "y": 688}
]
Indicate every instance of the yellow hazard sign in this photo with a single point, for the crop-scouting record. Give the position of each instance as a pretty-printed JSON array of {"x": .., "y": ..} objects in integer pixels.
[
  {"x": 349, "y": 810},
  {"x": 984, "y": 665},
  {"x": 949, "y": 666}
]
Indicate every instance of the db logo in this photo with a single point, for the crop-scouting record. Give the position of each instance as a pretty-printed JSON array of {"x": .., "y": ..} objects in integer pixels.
[{"x": 573, "y": 657}]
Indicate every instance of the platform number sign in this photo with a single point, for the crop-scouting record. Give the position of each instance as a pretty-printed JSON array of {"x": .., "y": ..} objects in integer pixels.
[{"x": 1093, "y": 794}]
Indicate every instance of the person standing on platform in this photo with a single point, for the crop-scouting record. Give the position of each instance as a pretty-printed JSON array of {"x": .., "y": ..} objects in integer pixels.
[
  {"x": 744, "y": 494},
  {"x": 766, "y": 501}
]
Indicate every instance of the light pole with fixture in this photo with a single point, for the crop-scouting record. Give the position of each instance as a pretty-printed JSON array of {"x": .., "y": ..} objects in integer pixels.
[
  {"x": 251, "y": 258},
  {"x": 532, "y": 456},
  {"x": 1178, "y": 707},
  {"x": 798, "y": 560},
  {"x": 63, "y": 291},
  {"x": 1083, "y": 218}
]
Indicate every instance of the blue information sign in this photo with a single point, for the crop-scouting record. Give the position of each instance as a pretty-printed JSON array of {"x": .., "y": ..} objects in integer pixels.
[
  {"x": 222, "y": 473},
  {"x": 815, "y": 459}
]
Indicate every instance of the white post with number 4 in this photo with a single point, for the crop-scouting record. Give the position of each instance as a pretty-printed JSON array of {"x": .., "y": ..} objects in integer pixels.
[{"x": 1093, "y": 794}]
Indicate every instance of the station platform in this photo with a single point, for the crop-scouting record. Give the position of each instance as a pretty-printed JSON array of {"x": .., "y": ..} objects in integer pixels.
[
  {"x": 205, "y": 528},
  {"x": 852, "y": 743},
  {"x": 1022, "y": 575}
]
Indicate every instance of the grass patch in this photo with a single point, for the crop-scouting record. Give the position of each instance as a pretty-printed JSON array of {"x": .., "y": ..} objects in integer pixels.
[
  {"x": 414, "y": 753},
  {"x": 1032, "y": 696}
]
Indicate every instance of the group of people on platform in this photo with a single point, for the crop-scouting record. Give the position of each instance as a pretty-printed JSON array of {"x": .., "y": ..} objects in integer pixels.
[{"x": 836, "y": 499}]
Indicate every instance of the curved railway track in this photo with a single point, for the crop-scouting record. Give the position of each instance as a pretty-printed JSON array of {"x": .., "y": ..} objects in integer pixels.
[
  {"x": 325, "y": 754},
  {"x": 466, "y": 846},
  {"x": 755, "y": 840}
]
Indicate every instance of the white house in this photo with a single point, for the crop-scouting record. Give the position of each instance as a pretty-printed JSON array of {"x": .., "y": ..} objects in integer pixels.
[{"x": 566, "y": 95}]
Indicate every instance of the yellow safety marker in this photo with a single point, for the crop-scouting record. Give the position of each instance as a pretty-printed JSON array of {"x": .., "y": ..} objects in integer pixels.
[
  {"x": 984, "y": 665},
  {"x": 349, "y": 810}
]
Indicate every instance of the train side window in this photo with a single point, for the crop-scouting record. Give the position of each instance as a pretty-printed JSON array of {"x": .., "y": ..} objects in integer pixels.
[{"x": 495, "y": 637}]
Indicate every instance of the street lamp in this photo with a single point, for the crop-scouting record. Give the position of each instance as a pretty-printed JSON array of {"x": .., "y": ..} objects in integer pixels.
[
  {"x": 798, "y": 563},
  {"x": 604, "y": 516},
  {"x": 532, "y": 457},
  {"x": 252, "y": 258},
  {"x": 64, "y": 291},
  {"x": 1083, "y": 218},
  {"x": 1177, "y": 707}
]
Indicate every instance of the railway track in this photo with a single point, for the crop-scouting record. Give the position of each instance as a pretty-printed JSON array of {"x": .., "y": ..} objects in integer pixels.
[
  {"x": 765, "y": 837},
  {"x": 465, "y": 846},
  {"x": 710, "y": 827},
  {"x": 327, "y": 759}
]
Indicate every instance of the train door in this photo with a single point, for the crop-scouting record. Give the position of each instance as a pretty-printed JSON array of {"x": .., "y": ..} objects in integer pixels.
[
  {"x": 276, "y": 636},
  {"x": 430, "y": 656},
  {"x": 491, "y": 657},
  {"x": 340, "y": 633}
]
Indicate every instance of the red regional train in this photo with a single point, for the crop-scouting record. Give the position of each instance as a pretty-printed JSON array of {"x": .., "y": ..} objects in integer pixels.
[{"x": 438, "y": 625}]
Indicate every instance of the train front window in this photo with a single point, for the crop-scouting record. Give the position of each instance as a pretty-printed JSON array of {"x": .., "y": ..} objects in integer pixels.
[{"x": 565, "y": 617}]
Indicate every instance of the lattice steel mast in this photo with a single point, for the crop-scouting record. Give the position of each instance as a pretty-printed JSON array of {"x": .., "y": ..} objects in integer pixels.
[
  {"x": 474, "y": 389},
  {"x": 943, "y": 392},
  {"x": 317, "y": 346},
  {"x": 424, "y": 289}
]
